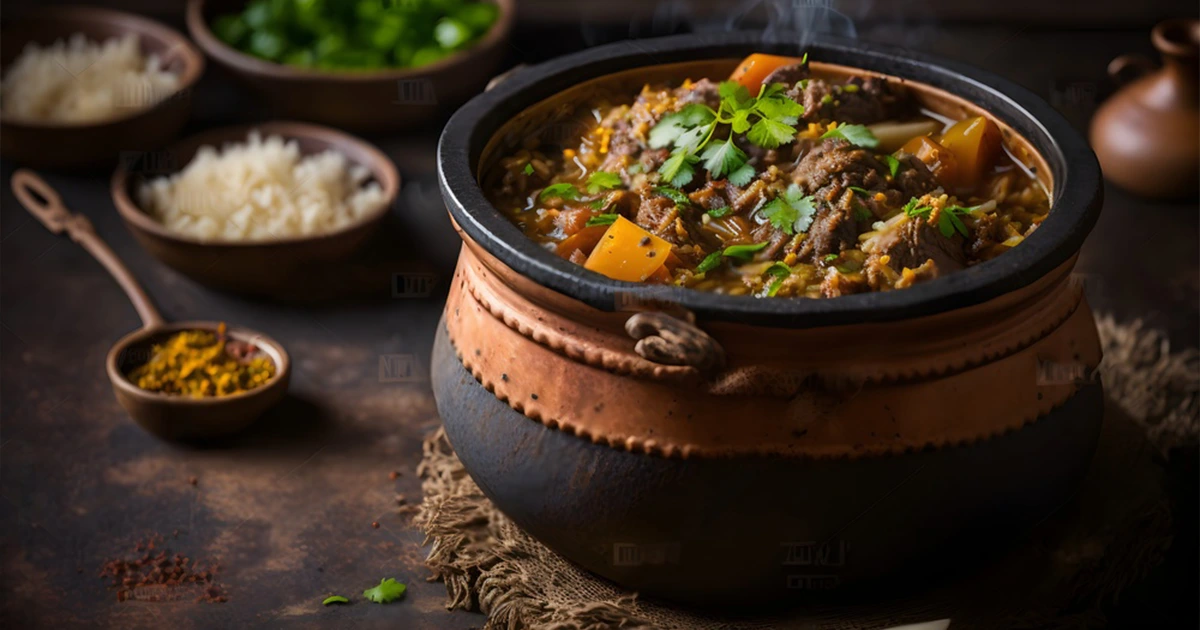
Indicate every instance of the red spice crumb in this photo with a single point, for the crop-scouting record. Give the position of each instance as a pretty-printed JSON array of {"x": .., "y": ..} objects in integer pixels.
[
  {"x": 193, "y": 480},
  {"x": 154, "y": 576},
  {"x": 394, "y": 475},
  {"x": 375, "y": 524}
]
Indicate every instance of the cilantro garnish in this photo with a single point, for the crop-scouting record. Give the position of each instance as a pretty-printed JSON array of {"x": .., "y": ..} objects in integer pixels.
[
  {"x": 528, "y": 169},
  {"x": 850, "y": 87},
  {"x": 717, "y": 213},
  {"x": 766, "y": 120},
  {"x": 563, "y": 190},
  {"x": 858, "y": 135},
  {"x": 860, "y": 190},
  {"x": 389, "y": 590},
  {"x": 674, "y": 194},
  {"x": 709, "y": 263},
  {"x": 602, "y": 219},
  {"x": 892, "y": 163},
  {"x": 948, "y": 219},
  {"x": 602, "y": 180},
  {"x": 791, "y": 212},
  {"x": 335, "y": 599},
  {"x": 831, "y": 257},
  {"x": 743, "y": 252}
]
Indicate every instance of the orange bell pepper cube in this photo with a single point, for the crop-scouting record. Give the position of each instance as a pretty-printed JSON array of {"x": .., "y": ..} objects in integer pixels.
[
  {"x": 753, "y": 70},
  {"x": 628, "y": 252},
  {"x": 975, "y": 143}
]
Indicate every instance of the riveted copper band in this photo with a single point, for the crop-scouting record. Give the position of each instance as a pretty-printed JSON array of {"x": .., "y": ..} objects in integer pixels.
[{"x": 854, "y": 390}]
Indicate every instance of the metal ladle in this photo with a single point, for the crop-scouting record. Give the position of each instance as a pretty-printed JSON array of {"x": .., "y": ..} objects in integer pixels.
[{"x": 169, "y": 416}]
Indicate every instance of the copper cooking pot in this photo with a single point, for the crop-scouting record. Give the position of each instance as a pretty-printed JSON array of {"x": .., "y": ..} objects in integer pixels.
[{"x": 725, "y": 449}]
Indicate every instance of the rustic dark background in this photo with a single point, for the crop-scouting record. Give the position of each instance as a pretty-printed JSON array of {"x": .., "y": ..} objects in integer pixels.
[{"x": 287, "y": 509}]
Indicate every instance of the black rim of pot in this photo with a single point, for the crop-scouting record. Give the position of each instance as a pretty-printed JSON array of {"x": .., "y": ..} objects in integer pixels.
[{"x": 1076, "y": 199}]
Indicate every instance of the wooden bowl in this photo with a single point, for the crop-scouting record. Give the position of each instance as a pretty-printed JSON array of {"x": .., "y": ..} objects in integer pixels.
[
  {"x": 175, "y": 417},
  {"x": 274, "y": 267},
  {"x": 54, "y": 145},
  {"x": 360, "y": 101}
]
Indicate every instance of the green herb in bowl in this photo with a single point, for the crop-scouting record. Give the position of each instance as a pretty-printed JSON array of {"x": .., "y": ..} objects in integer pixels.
[{"x": 356, "y": 34}]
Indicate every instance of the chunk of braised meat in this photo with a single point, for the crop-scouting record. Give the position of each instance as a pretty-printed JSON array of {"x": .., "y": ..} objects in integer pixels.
[
  {"x": 913, "y": 177},
  {"x": 860, "y": 100},
  {"x": 713, "y": 195},
  {"x": 571, "y": 220},
  {"x": 988, "y": 231},
  {"x": 702, "y": 91},
  {"x": 915, "y": 241},
  {"x": 833, "y": 229},
  {"x": 836, "y": 284},
  {"x": 834, "y": 165},
  {"x": 788, "y": 75}
]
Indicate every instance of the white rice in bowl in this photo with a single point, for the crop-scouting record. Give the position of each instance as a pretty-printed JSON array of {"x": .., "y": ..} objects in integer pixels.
[
  {"x": 262, "y": 190},
  {"x": 81, "y": 81}
]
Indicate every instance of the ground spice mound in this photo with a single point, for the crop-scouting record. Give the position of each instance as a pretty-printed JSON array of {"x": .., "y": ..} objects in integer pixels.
[
  {"x": 155, "y": 574},
  {"x": 199, "y": 364}
]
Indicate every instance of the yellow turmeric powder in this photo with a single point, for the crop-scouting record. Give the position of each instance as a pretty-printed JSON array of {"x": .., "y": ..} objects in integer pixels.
[{"x": 199, "y": 364}]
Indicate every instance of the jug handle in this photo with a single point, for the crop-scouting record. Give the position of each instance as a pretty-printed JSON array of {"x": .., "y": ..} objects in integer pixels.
[{"x": 1126, "y": 68}]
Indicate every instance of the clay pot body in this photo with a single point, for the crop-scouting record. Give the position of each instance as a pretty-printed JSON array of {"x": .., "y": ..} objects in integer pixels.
[
  {"x": 1147, "y": 135},
  {"x": 830, "y": 442}
]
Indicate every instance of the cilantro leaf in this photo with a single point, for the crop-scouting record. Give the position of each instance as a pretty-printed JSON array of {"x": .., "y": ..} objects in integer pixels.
[
  {"x": 861, "y": 191},
  {"x": 674, "y": 194},
  {"x": 528, "y": 169},
  {"x": 734, "y": 94},
  {"x": 830, "y": 257},
  {"x": 563, "y": 190},
  {"x": 780, "y": 108},
  {"x": 389, "y": 590},
  {"x": 666, "y": 131},
  {"x": 335, "y": 599},
  {"x": 741, "y": 120},
  {"x": 742, "y": 175},
  {"x": 722, "y": 158},
  {"x": 601, "y": 219},
  {"x": 791, "y": 212},
  {"x": 892, "y": 163},
  {"x": 717, "y": 213},
  {"x": 781, "y": 215},
  {"x": 914, "y": 208},
  {"x": 743, "y": 252},
  {"x": 678, "y": 170},
  {"x": 710, "y": 262},
  {"x": 769, "y": 134},
  {"x": 697, "y": 114},
  {"x": 602, "y": 180},
  {"x": 858, "y": 135}
]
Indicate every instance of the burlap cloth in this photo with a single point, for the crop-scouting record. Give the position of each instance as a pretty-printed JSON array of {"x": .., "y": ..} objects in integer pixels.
[{"x": 1082, "y": 556}]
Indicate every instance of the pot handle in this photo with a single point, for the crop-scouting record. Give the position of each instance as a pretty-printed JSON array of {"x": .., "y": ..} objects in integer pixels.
[
  {"x": 500, "y": 78},
  {"x": 669, "y": 340},
  {"x": 1126, "y": 68}
]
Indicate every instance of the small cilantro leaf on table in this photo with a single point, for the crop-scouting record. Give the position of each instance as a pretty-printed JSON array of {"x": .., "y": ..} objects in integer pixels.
[
  {"x": 335, "y": 599},
  {"x": 389, "y": 590}
]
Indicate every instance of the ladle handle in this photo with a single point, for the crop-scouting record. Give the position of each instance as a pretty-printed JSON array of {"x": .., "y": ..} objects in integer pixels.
[{"x": 43, "y": 202}]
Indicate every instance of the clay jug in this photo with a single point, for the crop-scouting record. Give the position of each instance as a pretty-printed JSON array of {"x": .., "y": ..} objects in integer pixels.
[{"x": 1147, "y": 136}]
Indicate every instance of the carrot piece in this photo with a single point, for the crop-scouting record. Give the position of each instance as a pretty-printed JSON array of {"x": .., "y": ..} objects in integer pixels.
[
  {"x": 753, "y": 70},
  {"x": 975, "y": 142},
  {"x": 584, "y": 240},
  {"x": 628, "y": 252}
]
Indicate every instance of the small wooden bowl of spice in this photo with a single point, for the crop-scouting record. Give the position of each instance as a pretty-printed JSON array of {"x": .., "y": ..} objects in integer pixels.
[
  {"x": 191, "y": 380},
  {"x": 179, "y": 381}
]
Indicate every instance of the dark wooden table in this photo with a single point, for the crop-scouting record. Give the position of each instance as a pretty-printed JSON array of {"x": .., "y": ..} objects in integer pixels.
[{"x": 288, "y": 507}]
